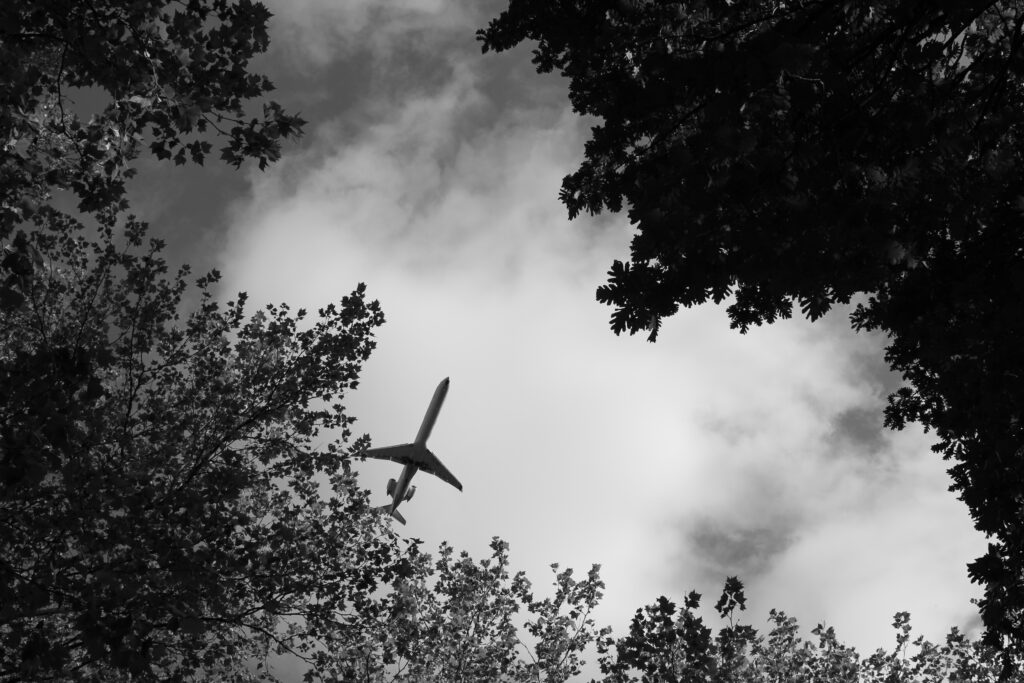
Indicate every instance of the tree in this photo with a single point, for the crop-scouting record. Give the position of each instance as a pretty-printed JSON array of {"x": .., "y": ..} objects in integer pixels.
[
  {"x": 168, "y": 72},
  {"x": 176, "y": 495},
  {"x": 668, "y": 645},
  {"x": 806, "y": 153},
  {"x": 454, "y": 619}
]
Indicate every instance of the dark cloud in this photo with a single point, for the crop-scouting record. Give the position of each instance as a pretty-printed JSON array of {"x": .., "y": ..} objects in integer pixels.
[
  {"x": 746, "y": 549},
  {"x": 187, "y": 206},
  {"x": 870, "y": 363},
  {"x": 866, "y": 351},
  {"x": 859, "y": 430}
]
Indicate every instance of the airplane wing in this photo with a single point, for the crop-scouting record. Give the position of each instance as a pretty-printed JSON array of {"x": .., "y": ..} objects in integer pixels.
[
  {"x": 403, "y": 454},
  {"x": 421, "y": 457},
  {"x": 429, "y": 463}
]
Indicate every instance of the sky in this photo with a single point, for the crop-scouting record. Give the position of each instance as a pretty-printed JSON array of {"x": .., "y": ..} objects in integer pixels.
[{"x": 431, "y": 173}]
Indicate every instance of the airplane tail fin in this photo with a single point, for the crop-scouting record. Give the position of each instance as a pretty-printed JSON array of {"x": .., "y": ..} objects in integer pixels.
[{"x": 394, "y": 513}]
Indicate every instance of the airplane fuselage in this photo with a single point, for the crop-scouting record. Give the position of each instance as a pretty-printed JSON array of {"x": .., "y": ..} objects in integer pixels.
[
  {"x": 402, "y": 485},
  {"x": 403, "y": 488},
  {"x": 433, "y": 409}
]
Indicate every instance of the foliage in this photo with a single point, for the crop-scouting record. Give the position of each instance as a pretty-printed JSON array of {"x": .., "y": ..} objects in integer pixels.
[
  {"x": 175, "y": 494},
  {"x": 796, "y": 152},
  {"x": 171, "y": 71},
  {"x": 176, "y": 498},
  {"x": 455, "y": 620},
  {"x": 664, "y": 646}
]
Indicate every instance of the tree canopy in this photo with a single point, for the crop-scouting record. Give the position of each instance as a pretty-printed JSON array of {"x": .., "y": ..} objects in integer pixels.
[
  {"x": 451, "y": 618},
  {"x": 806, "y": 153},
  {"x": 175, "y": 488},
  {"x": 668, "y": 644},
  {"x": 167, "y": 74},
  {"x": 175, "y": 494}
]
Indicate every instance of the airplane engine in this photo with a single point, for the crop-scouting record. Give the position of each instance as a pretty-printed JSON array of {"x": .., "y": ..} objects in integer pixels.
[
  {"x": 408, "y": 494},
  {"x": 391, "y": 487}
]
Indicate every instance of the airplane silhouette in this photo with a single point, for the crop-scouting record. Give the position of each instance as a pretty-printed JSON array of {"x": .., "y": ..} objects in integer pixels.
[{"x": 415, "y": 456}]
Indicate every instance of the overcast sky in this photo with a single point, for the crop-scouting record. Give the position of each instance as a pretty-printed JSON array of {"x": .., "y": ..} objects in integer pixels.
[{"x": 431, "y": 172}]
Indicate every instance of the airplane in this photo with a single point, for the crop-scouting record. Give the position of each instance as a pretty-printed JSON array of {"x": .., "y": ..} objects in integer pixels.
[{"x": 415, "y": 456}]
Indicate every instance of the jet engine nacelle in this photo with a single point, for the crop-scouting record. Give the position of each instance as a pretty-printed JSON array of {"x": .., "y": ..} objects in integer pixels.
[
  {"x": 408, "y": 494},
  {"x": 391, "y": 486}
]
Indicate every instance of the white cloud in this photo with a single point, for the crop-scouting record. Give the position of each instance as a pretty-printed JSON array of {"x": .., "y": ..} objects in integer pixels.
[
  {"x": 671, "y": 464},
  {"x": 320, "y": 31},
  {"x": 886, "y": 545}
]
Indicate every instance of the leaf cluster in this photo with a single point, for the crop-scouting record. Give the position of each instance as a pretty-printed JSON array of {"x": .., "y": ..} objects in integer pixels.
[
  {"x": 667, "y": 644},
  {"x": 169, "y": 74},
  {"x": 456, "y": 619}
]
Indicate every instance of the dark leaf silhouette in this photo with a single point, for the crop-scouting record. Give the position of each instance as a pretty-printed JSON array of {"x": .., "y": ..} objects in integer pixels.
[{"x": 811, "y": 153}]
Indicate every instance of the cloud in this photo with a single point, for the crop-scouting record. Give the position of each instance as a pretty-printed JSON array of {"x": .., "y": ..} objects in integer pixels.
[
  {"x": 859, "y": 429},
  {"x": 724, "y": 547},
  {"x": 319, "y": 32},
  {"x": 439, "y": 180},
  {"x": 826, "y": 516},
  {"x": 674, "y": 465},
  {"x": 892, "y": 543}
]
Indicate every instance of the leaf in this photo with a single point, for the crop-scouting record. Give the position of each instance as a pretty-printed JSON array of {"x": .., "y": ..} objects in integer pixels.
[
  {"x": 193, "y": 626},
  {"x": 10, "y": 298}
]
